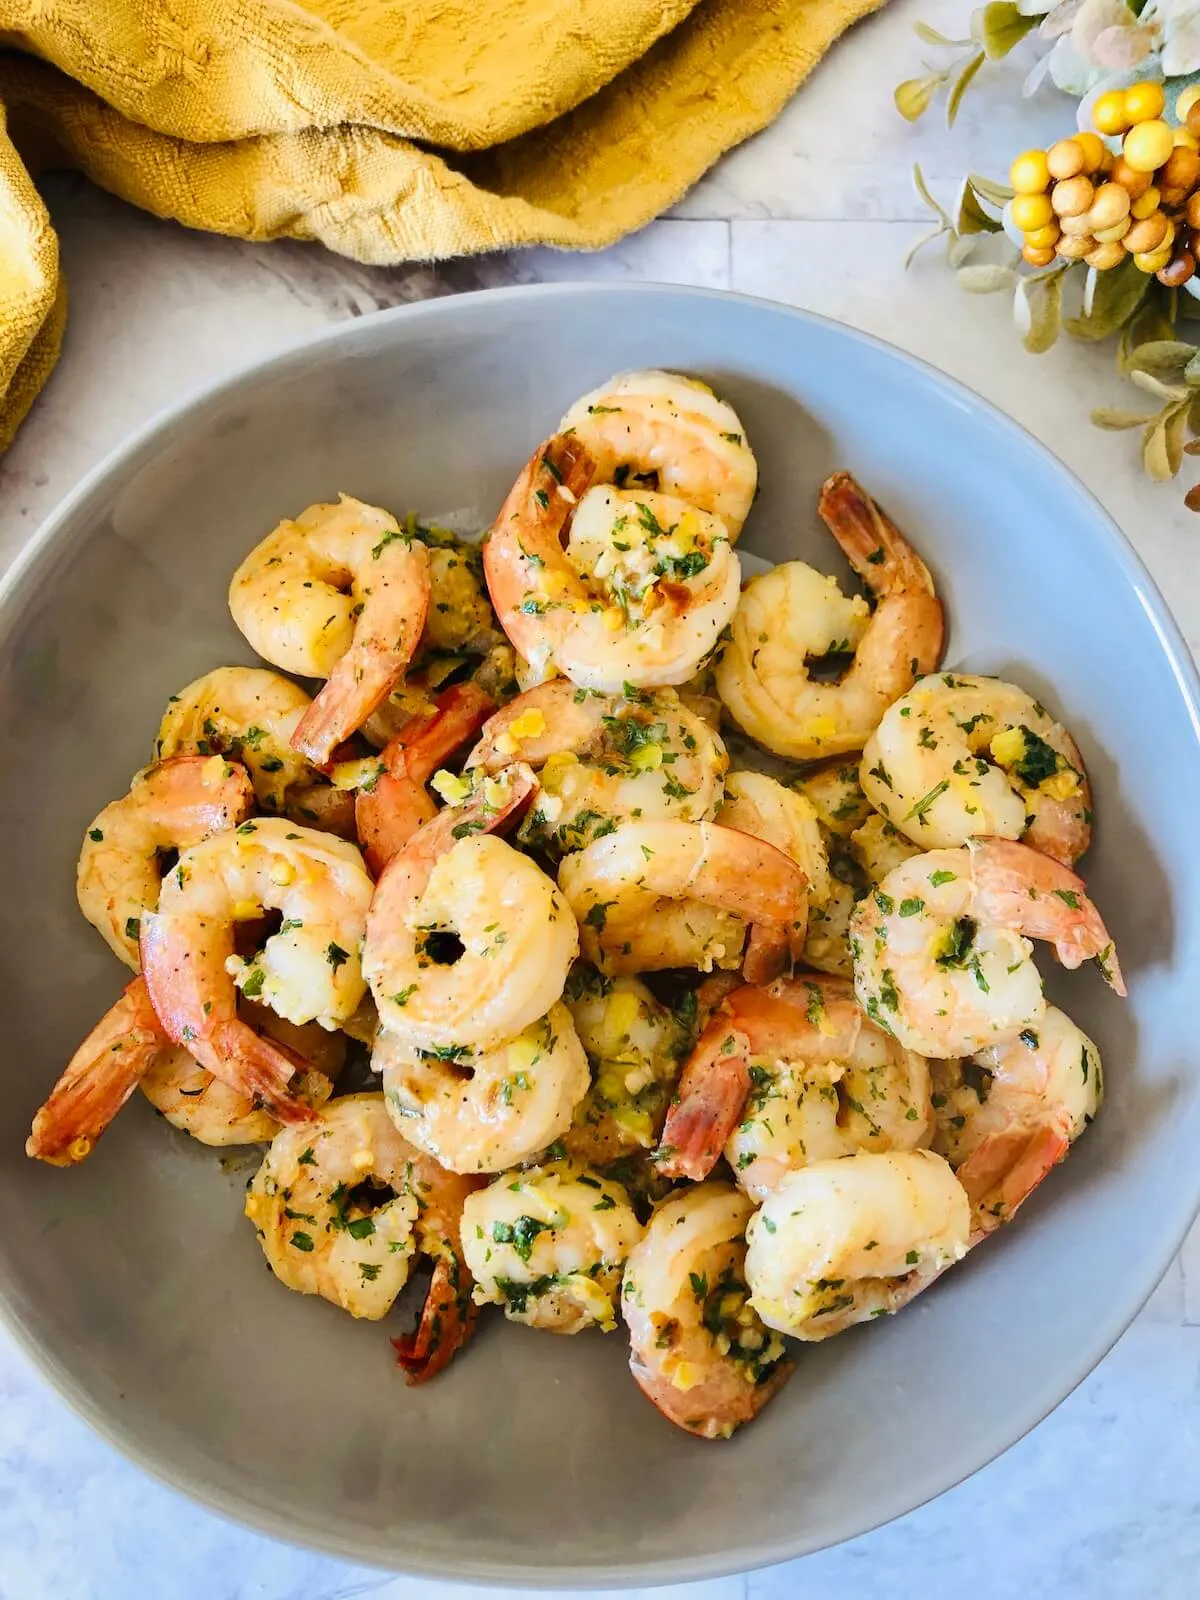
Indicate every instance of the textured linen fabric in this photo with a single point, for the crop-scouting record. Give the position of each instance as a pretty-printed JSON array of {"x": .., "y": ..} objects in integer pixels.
[{"x": 388, "y": 130}]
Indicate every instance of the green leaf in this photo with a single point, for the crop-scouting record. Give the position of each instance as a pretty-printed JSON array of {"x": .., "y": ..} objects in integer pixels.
[
  {"x": 961, "y": 85},
  {"x": 1119, "y": 293},
  {"x": 1149, "y": 323},
  {"x": 960, "y": 250},
  {"x": 1191, "y": 373},
  {"x": 1162, "y": 358},
  {"x": 1001, "y": 27},
  {"x": 999, "y": 194},
  {"x": 1115, "y": 420},
  {"x": 987, "y": 279},
  {"x": 932, "y": 36},
  {"x": 971, "y": 217},
  {"x": 1038, "y": 313},
  {"x": 914, "y": 96}
]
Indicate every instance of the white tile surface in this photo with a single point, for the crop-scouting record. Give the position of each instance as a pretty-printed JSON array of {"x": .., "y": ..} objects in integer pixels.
[{"x": 1101, "y": 1501}]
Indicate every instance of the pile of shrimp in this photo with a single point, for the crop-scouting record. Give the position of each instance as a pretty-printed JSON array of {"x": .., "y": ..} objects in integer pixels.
[{"x": 475, "y": 906}]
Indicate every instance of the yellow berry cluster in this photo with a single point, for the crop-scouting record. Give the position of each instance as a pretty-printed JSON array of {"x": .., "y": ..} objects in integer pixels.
[{"x": 1081, "y": 202}]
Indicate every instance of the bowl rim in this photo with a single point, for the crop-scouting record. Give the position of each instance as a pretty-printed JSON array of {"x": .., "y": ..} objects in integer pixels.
[{"x": 1152, "y": 1266}]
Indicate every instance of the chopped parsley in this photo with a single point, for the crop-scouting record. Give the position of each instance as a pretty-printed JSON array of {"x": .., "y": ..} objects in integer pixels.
[
  {"x": 520, "y": 1234},
  {"x": 1038, "y": 762},
  {"x": 926, "y": 800}
]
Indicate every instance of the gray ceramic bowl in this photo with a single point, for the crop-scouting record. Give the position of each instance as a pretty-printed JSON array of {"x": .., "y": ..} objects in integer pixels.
[{"x": 135, "y": 1281}]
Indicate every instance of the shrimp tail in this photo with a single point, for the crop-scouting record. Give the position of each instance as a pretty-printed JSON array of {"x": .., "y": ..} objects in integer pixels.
[
  {"x": 562, "y": 462},
  {"x": 530, "y": 530},
  {"x": 447, "y": 1321},
  {"x": 869, "y": 539},
  {"x": 768, "y": 952},
  {"x": 1004, "y": 1169},
  {"x": 1016, "y": 886},
  {"x": 256, "y": 1066},
  {"x": 709, "y": 1102},
  {"x": 98, "y": 1080},
  {"x": 370, "y": 669},
  {"x": 388, "y": 815}
]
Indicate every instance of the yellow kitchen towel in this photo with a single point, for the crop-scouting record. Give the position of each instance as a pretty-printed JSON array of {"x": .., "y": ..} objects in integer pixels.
[{"x": 388, "y": 130}]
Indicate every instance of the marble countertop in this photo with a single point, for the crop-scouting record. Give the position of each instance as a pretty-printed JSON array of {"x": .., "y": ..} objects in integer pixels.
[{"x": 1102, "y": 1499}]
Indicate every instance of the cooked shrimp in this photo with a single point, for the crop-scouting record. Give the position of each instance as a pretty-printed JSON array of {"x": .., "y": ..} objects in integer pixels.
[
  {"x": 635, "y": 1045},
  {"x": 682, "y": 894},
  {"x": 310, "y": 970},
  {"x": 212, "y": 1113},
  {"x": 672, "y": 432},
  {"x": 862, "y": 848},
  {"x": 959, "y": 756},
  {"x": 169, "y": 806},
  {"x": 468, "y": 941},
  {"x": 460, "y": 621},
  {"x": 790, "y": 1075},
  {"x": 604, "y": 759},
  {"x": 639, "y": 594},
  {"x": 697, "y": 1348},
  {"x": 942, "y": 953},
  {"x": 548, "y": 1244},
  {"x": 417, "y": 695},
  {"x": 128, "y": 1048},
  {"x": 839, "y": 1242},
  {"x": 340, "y": 593},
  {"x": 461, "y": 643},
  {"x": 827, "y": 946},
  {"x": 877, "y": 847},
  {"x": 343, "y": 1205},
  {"x": 792, "y": 614},
  {"x": 1007, "y": 1115},
  {"x": 250, "y": 714},
  {"x": 761, "y": 805},
  {"x": 486, "y": 1109},
  {"x": 835, "y": 794},
  {"x": 390, "y": 808},
  {"x": 98, "y": 1080}
]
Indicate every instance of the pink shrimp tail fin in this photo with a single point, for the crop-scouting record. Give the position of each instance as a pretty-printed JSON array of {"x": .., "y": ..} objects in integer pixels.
[
  {"x": 1004, "y": 1169},
  {"x": 710, "y": 1100},
  {"x": 388, "y": 815},
  {"x": 1018, "y": 887},
  {"x": 361, "y": 682},
  {"x": 371, "y": 668},
  {"x": 447, "y": 1322},
  {"x": 98, "y": 1080},
  {"x": 772, "y": 897},
  {"x": 871, "y": 542},
  {"x": 256, "y": 1066},
  {"x": 562, "y": 461}
]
